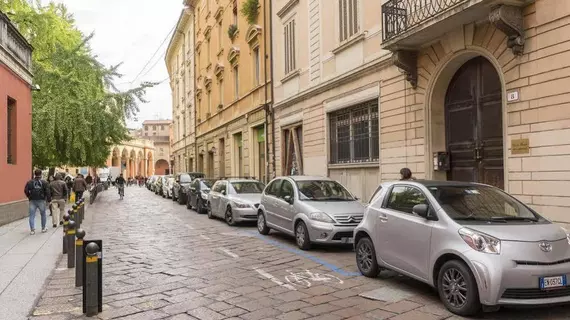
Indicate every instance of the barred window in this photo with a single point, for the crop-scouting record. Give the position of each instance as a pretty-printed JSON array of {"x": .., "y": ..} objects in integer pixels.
[
  {"x": 354, "y": 134},
  {"x": 289, "y": 36},
  {"x": 348, "y": 18}
]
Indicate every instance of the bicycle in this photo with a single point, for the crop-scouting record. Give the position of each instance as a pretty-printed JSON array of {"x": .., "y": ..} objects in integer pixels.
[{"x": 304, "y": 278}]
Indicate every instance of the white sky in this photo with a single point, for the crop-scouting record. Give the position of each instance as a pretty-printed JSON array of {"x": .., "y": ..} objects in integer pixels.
[{"x": 130, "y": 31}]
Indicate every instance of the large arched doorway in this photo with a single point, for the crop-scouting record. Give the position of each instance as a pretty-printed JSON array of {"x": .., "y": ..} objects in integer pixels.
[
  {"x": 161, "y": 167},
  {"x": 115, "y": 162},
  {"x": 474, "y": 124}
]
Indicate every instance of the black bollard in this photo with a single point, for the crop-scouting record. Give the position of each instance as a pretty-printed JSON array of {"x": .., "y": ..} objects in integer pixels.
[
  {"x": 79, "y": 259},
  {"x": 76, "y": 216},
  {"x": 65, "y": 223},
  {"x": 71, "y": 244},
  {"x": 91, "y": 285}
]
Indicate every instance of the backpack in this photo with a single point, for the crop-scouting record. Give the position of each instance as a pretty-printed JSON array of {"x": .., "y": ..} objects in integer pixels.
[{"x": 37, "y": 190}]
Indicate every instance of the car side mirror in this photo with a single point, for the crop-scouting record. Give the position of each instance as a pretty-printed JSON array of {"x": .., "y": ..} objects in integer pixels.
[
  {"x": 288, "y": 199},
  {"x": 422, "y": 210},
  {"x": 223, "y": 192}
]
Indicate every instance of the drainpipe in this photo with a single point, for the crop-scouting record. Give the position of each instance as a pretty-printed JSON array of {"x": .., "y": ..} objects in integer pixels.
[
  {"x": 272, "y": 90},
  {"x": 267, "y": 105}
]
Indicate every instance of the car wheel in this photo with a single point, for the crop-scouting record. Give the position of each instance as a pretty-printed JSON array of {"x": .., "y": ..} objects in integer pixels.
[
  {"x": 302, "y": 236},
  {"x": 230, "y": 217},
  {"x": 457, "y": 288},
  {"x": 188, "y": 206},
  {"x": 209, "y": 209},
  {"x": 262, "y": 225},
  {"x": 179, "y": 199},
  {"x": 200, "y": 207},
  {"x": 366, "y": 258}
]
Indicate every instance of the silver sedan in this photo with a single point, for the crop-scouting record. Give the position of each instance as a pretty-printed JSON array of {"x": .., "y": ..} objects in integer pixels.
[
  {"x": 235, "y": 200},
  {"x": 313, "y": 209}
]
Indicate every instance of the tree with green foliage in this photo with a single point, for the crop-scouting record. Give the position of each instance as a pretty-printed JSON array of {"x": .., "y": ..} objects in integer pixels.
[{"x": 79, "y": 112}]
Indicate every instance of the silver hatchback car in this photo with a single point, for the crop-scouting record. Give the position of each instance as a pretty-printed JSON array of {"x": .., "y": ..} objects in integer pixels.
[
  {"x": 475, "y": 243},
  {"x": 235, "y": 200},
  {"x": 313, "y": 209}
]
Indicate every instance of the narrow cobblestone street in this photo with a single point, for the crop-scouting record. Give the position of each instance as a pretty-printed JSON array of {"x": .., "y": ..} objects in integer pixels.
[{"x": 164, "y": 261}]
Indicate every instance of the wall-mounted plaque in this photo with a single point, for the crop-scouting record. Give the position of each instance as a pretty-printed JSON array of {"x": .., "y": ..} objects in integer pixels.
[{"x": 519, "y": 146}]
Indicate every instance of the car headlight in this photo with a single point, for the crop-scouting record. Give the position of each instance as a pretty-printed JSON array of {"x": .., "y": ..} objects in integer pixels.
[
  {"x": 321, "y": 216},
  {"x": 241, "y": 205},
  {"x": 567, "y": 234},
  {"x": 480, "y": 241}
]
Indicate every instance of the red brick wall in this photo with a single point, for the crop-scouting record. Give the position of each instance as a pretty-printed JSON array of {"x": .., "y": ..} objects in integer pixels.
[{"x": 15, "y": 175}]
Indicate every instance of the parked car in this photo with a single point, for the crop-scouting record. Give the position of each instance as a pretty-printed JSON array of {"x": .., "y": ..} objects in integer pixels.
[
  {"x": 235, "y": 200},
  {"x": 158, "y": 185},
  {"x": 167, "y": 185},
  {"x": 197, "y": 193},
  {"x": 153, "y": 182},
  {"x": 313, "y": 209},
  {"x": 181, "y": 183},
  {"x": 150, "y": 181},
  {"x": 475, "y": 243}
]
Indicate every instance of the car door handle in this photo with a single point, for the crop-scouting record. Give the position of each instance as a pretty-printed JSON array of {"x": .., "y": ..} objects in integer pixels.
[{"x": 382, "y": 217}]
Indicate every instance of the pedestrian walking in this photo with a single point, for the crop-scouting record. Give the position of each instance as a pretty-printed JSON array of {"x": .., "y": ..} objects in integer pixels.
[
  {"x": 58, "y": 191},
  {"x": 50, "y": 179},
  {"x": 79, "y": 186},
  {"x": 38, "y": 192},
  {"x": 406, "y": 174}
]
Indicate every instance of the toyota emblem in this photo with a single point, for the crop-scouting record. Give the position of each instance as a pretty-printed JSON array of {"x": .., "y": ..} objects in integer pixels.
[{"x": 545, "y": 246}]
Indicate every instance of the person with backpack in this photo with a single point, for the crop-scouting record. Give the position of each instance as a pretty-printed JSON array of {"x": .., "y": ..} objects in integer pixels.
[{"x": 37, "y": 191}]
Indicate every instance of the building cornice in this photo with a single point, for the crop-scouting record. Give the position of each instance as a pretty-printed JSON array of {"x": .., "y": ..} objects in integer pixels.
[
  {"x": 347, "y": 77},
  {"x": 178, "y": 33}
]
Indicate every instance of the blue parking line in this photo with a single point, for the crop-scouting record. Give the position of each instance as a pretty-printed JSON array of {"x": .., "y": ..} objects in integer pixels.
[{"x": 304, "y": 254}]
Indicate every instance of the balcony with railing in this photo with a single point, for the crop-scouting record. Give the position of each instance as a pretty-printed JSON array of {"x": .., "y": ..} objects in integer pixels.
[
  {"x": 408, "y": 24},
  {"x": 13, "y": 43}
]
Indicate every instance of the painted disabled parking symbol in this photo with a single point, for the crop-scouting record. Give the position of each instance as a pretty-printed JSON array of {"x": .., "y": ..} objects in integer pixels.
[{"x": 306, "y": 278}]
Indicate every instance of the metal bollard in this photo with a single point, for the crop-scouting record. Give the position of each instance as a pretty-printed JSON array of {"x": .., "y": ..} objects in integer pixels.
[
  {"x": 82, "y": 209},
  {"x": 71, "y": 244},
  {"x": 79, "y": 259},
  {"x": 91, "y": 286},
  {"x": 66, "y": 218},
  {"x": 76, "y": 216}
]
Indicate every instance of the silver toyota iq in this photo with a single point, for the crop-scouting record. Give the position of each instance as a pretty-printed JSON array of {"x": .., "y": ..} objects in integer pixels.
[
  {"x": 313, "y": 209},
  {"x": 476, "y": 244},
  {"x": 235, "y": 200}
]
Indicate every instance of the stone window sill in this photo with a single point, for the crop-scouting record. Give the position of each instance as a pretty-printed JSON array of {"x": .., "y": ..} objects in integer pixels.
[
  {"x": 348, "y": 43},
  {"x": 290, "y": 75}
]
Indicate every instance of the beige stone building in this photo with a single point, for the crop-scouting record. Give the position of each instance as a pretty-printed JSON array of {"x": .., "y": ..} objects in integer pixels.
[
  {"x": 473, "y": 90},
  {"x": 159, "y": 131},
  {"x": 232, "y": 82},
  {"x": 180, "y": 65},
  {"x": 326, "y": 63},
  {"x": 134, "y": 157}
]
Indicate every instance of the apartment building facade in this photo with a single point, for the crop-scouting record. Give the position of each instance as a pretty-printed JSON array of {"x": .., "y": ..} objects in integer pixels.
[
  {"x": 232, "y": 87},
  {"x": 180, "y": 65},
  {"x": 159, "y": 132},
  {"x": 470, "y": 90},
  {"x": 15, "y": 120},
  {"x": 326, "y": 67}
]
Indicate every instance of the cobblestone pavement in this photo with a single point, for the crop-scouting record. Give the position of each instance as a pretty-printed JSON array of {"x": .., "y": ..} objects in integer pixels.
[{"x": 162, "y": 261}]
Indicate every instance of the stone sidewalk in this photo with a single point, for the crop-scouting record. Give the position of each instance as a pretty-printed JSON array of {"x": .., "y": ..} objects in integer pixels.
[
  {"x": 26, "y": 261},
  {"x": 162, "y": 261}
]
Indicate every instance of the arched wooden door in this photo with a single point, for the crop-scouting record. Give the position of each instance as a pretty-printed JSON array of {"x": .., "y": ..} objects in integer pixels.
[{"x": 474, "y": 124}]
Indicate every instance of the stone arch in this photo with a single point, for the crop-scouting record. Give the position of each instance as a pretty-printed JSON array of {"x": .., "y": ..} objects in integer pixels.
[
  {"x": 132, "y": 160},
  {"x": 115, "y": 157},
  {"x": 454, "y": 52},
  {"x": 161, "y": 166}
]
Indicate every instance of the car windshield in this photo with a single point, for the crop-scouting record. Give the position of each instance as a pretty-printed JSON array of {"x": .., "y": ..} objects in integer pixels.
[
  {"x": 248, "y": 187},
  {"x": 185, "y": 178},
  {"x": 323, "y": 190},
  {"x": 480, "y": 203},
  {"x": 206, "y": 184}
]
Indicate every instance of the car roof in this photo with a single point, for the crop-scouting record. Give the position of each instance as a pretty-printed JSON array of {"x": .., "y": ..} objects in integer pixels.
[
  {"x": 308, "y": 178},
  {"x": 438, "y": 183}
]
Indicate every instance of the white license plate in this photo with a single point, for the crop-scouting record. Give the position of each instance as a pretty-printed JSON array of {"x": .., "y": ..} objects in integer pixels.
[
  {"x": 552, "y": 282},
  {"x": 347, "y": 240}
]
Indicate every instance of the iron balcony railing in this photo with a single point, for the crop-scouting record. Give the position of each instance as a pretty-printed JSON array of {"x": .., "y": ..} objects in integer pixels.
[{"x": 399, "y": 16}]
